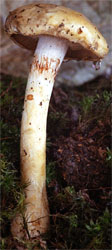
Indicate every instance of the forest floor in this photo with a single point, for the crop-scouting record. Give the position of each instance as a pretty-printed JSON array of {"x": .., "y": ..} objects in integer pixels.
[{"x": 78, "y": 165}]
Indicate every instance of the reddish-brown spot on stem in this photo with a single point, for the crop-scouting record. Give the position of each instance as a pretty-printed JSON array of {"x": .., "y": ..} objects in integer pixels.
[
  {"x": 45, "y": 64},
  {"x": 30, "y": 97},
  {"x": 25, "y": 152}
]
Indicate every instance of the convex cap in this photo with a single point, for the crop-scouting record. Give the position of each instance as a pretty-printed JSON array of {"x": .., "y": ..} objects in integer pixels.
[{"x": 25, "y": 24}]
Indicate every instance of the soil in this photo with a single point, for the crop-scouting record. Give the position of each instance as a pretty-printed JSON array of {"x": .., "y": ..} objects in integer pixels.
[{"x": 79, "y": 147}]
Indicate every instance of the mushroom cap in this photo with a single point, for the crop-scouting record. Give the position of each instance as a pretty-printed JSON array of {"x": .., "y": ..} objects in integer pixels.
[{"x": 25, "y": 24}]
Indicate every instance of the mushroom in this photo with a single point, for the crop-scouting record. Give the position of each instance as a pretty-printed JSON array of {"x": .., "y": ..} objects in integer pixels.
[{"x": 54, "y": 33}]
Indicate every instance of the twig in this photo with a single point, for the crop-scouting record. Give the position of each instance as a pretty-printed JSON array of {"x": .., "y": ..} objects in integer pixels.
[
  {"x": 101, "y": 188},
  {"x": 5, "y": 138},
  {"x": 6, "y": 91}
]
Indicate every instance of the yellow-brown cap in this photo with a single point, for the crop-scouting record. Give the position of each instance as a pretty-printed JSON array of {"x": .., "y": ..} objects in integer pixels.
[{"x": 26, "y": 23}]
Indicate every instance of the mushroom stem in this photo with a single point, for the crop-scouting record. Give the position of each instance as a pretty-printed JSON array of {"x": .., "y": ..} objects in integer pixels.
[{"x": 47, "y": 59}]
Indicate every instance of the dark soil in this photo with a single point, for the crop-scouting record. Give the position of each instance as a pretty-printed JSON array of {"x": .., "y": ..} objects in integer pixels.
[{"x": 80, "y": 147}]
